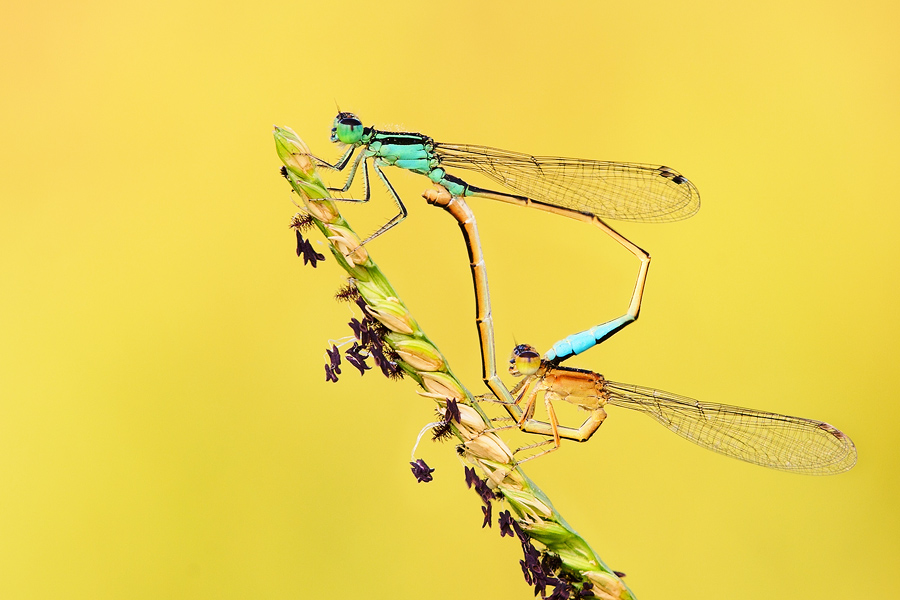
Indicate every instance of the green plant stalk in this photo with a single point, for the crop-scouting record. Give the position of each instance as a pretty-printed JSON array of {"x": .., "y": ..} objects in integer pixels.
[{"x": 422, "y": 361}]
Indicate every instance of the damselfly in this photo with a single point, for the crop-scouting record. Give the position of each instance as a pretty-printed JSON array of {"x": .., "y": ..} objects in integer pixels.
[
  {"x": 768, "y": 439},
  {"x": 763, "y": 438},
  {"x": 572, "y": 187}
]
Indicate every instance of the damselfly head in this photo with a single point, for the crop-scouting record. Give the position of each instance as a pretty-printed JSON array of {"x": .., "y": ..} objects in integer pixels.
[
  {"x": 347, "y": 128},
  {"x": 525, "y": 360}
]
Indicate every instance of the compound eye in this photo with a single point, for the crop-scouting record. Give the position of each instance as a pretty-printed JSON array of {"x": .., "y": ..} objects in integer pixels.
[
  {"x": 348, "y": 128},
  {"x": 525, "y": 360}
]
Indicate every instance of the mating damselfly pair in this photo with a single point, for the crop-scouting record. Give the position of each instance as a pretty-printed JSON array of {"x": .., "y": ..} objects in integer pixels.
[{"x": 588, "y": 191}]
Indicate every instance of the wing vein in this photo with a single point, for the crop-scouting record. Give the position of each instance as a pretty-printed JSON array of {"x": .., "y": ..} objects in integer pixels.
[
  {"x": 759, "y": 437},
  {"x": 615, "y": 190}
]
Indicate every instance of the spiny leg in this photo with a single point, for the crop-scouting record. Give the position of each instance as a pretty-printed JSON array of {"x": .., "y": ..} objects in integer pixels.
[
  {"x": 528, "y": 411},
  {"x": 359, "y": 158},
  {"x": 554, "y": 424},
  {"x": 368, "y": 189},
  {"x": 581, "y": 434},
  {"x": 340, "y": 164},
  {"x": 396, "y": 219},
  {"x": 528, "y": 393},
  {"x": 583, "y": 388}
]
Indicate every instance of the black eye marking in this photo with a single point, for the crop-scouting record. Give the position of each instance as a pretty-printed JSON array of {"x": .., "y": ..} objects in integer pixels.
[
  {"x": 526, "y": 351},
  {"x": 346, "y": 118}
]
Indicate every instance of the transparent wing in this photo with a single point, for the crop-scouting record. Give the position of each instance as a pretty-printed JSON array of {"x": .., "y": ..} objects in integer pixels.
[
  {"x": 622, "y": 191},
  {"x": 762, "y": 438}
]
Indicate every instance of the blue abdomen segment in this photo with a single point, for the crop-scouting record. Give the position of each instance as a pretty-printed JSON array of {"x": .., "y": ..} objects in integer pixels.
[{"x": 585, "y": 340}]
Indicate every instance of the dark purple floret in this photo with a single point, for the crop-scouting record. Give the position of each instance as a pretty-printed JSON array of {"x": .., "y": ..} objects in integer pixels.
[
  {"x": 452, "y": 412},
  {"x": 543, "y": 570},
  {"x": 396, "y": 372},
  {"x": 532, "y": 556},
  {"x": 330, "y": 375},
  {"x": 560, "y": 591},
  {"x": 356, "y": 359},
  {"x": 388, "y": 367},
  {"x": 520, "y": 533},
  {"x": 360, "y": 302},
  {"x": 311, "y": 256},
  {"x": 357, "y": 328},
  {"x": 369, "y": 333},
  {"x": 619, "y": 573},
  {"x": 421, "y": 471},
  {"x": 444, "y": 431},
  {"x": 317, "y": 255},
  {"x": 540, "y": 582},
  {"x": 506, "y": 524},
  {"x": 355, "y": 350},
  {"x": 381, "y": 361},
  {"x": 334, "y": 355},
  {"x": 359, "y": 362},
  {"x": 526, "y": 572},
  {"x": 392, "y": 369},
  {"x": 372, "y": 337},
  {"x": 484, "y": 491},
  {"x": 486, "y": 509},
  {"x": 306, "y": 250},
  {"x": 471, "y": 477},
  {"x": 300, "y": 242}
]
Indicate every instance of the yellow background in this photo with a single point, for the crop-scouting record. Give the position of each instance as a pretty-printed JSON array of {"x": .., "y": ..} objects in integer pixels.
[{"x": 165, "y": 427}]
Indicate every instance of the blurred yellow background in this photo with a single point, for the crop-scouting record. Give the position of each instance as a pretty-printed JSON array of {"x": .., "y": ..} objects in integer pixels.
[{"x": 165, "y": 427}]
